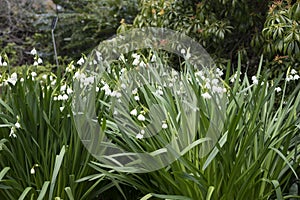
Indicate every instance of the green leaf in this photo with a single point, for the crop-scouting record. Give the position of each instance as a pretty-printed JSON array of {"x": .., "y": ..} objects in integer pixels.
[
  {"x": 43, "y": 190},
  {"x": 24, "y": 193}
]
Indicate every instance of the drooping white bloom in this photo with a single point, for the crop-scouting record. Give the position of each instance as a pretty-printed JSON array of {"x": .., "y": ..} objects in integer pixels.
[
  {"x": 61, "y": 108},
  {"x": 33, "y": 51},
  {"x": 133, "y": 112},
  {"x": 4, "y": 64},
  {"x": 17, "y": 125},
  {"x": 69, "y": 90},
  {"x": 40, "y": 61},
  {"x": 164, "y": 126},
  {"x": 254, "y": 80},
  {"x": 296, "y": 77},
  {"x": 35, "y": 63},
  {"x": 206, "y": 95},
  {"x": 12, "y": 133},
  {"x": 134, "y": 91},
  {"x": 182, "y": 51},
  {"x": 32, "y": 171},
  {"x": 293, "y": 71},
  {"x": 33, "y": 74},
  {"x": 139, "y": 136},
  {"x": 80, "y": 61},
  {"x": 141, "y": 117},
  {"x": 137, "y": 98},
  {"x": 13, "y": 78},
  {"x": 277, "y": 89}
]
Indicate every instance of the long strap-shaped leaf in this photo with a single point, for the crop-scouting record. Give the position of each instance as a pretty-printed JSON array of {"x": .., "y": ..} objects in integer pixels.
[{"x": 58, "y": 162}]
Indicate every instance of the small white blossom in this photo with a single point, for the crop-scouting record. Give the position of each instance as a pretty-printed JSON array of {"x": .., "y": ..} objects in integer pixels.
[
  {"x": 293, "y": 71},
  {"x": 32, "y": 171},
  {"x": 254, "y": 79},
  {"x": 182, "y": 51},
  {"x": 33, "y": 51},
  {"x": 141, "y": 117},
  {"x": 80, "y": 61},
  {"x": 13, "y": 78},
  {"x": 133, "y": 112},
  {"x": 139, "y": 136},
  {"x": 35, "y": 63},
  {"x": 137, "y": 98},
  {"x": 40, "y": 61},
  {"x": 33, "y": 74},
  {"x": 17, "y": 125},
  {"x": 206, "y": 95},
  {"x": 296, "y": 77},
  {"x": 277, "y": 89},
  {"x": 134, "y": 91},
  {"x": 61, "y": 108},
  {"x": 4, "y": 64},
  {"x": 164, "y": 126},
  {"x": 69, "y": 90},
  {"x": 12, "y": 133}
]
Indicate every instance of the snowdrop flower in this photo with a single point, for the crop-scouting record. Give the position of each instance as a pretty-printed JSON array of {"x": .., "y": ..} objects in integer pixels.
[
  {"x": 13, "y": 78},
  {"x": 254, "y": 79},
  {"x": 33, "y": 52},
  {"x": 141, "y": 117},
  {"x": 80, "y": 61},
  {"x": 139, "y": 136},
  {"x": 4, "y": 64},
  {"x": 296, "y": 77},
  {"x": 55, "y": 98},
  {"x": 33, "y": 74},
  {"x": 159, "y": 92},
  {"x": 12, "y": 133},
  {"x": 17, "y": 125},
  {"x": 164, "y": 125},
  {"x": 289, "y": 78},
  {"x": 219, "y": 72},
  {"x": 133, "y": 112},
  {"x": 79, "y": 75},
  {"x": 153, "y": 59},
  {"x": 44, "y": 76},
  {"x": 137, "y": 98},
  {"x": 293, "y": 71},
  {"x": 63, "y": 88},
  {"x": 134, "y": 91},
  {"x": 182, "y": 51},
  {"x": 206, "y": 95},
  {"x": 277, "y": 89},
  {"x": 61, "y": 108},
  {"x": 39, "y": 61},
  {"x": 106, "y": 89},
  {"x": 70, "y": 68},
  {"x": 35, "y": 63},
  {"x": 32, "y": 171},
  {"x": 70, "y": 91}
]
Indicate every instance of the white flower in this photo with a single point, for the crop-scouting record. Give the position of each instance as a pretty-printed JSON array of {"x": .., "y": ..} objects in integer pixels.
[
  {"x": 141, "y": 117},
  {"x": 79, "y": 75},
  {"x": 70, "y": 68},
  {"x": 69, "y": 90},
  {"x": 133, "y": 112},
  {"x": 219, "y": 72},
  {"x": 135, "y": 62},
  {"x": 206, "y": 95},
  {"x": 61, "y": 108},
  {"x": 164, "y": 126},
  {"x": 135, "y": 55},
  {"x": 106, "y": 89},
  {"x": 17, "y": 125},
  {"x": 254, "y": 79},
  {"x": 4, "y": 64},
  {"x": 80, "y": 61},
  {"x": 139, "y": 136},
  {"x": 159, "y": 92},
  {"x": 13, "y": 78},
  {"x": 65, "y": 97},
  {"x": 182, "y": 51},
  {"x": 293, "y": 71},
  {"x": 12, "y": 132},
  {"x": 32, "y": 171},
  {"x": 153, "y": 59},
  {"x": 277, "y": 89},
  {"x": 55, "y": 98},
  {"x": 63, "y": 88},
  {"x": 296, "y": 77},
  {"x": 33, "y": 51},
  {"x": 44, "y": 76},
  {"x": 22, "y": 80},
  {"x": 137, "y": 98},
  {"x": 134, "y": 91},
  {"x": 35, "y": 63},
  {"x": 40, "y": 61},
  {"x": 289, "y": 78},
  {"x": 33, "y": 74}
]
